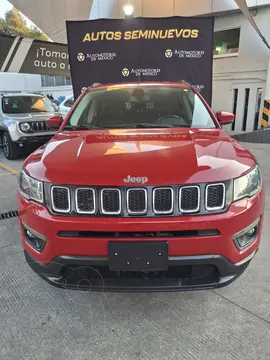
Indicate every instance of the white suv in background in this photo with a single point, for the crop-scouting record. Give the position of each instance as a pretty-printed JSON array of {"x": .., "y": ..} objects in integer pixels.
[
  {"x": 23, "y": 122},
  {"x": 66, "y": 105}
]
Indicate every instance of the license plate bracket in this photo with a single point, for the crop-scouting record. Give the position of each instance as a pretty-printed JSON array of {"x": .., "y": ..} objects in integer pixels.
[{"x": 138, "y": 256}]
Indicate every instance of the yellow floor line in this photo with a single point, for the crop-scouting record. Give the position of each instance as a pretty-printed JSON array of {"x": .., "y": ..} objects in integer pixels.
[
  {"x": 8, "y": 174},
  {"x": 8, "y": 169}
]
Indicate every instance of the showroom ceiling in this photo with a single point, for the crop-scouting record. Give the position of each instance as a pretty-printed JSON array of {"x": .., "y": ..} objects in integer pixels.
[{"x": 51, "y": 15}]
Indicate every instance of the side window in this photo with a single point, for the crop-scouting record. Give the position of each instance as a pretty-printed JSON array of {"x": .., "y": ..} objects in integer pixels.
[
  {"x": 226, "y": 42},
  {"x": 69, "y": 103},
  {"x": 80, "y": 111}
]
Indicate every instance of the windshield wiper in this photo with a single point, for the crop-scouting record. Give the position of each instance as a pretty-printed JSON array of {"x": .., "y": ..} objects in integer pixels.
[{"x": 82, "y": 127}]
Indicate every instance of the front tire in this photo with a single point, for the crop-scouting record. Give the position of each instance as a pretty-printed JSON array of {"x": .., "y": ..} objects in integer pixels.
[{"x": 10, "y": 149}]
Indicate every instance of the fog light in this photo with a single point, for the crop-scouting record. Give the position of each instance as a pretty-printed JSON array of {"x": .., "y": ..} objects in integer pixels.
[
  {"x": 247, "y": 236},
  {"x": 34, "y": 239},
  {"x": 29, "y": 234},
  {"x": 25, "y": 127}
]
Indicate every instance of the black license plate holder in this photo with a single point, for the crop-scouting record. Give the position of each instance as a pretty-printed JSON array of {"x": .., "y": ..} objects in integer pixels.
[{"x": 138, "y": 256}]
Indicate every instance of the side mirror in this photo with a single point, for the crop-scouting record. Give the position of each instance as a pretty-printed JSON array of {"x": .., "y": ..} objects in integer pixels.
[
  {"x": 225, "y": 118},
  {"x": 54, "y": 122}
]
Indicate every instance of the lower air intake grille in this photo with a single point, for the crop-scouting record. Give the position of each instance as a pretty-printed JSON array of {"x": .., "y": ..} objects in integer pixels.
[
  {"x": 111, "y": 201},
  {"x": 174, "y": 272},
  {"x": 163, "y": 200},
  {"x": 60, "y": 199},
  {"x": 215, "y": 197},
  {"x": 189, "y": 199}
]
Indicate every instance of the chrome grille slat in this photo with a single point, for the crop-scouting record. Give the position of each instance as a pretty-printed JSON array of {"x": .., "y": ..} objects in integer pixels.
[
  {"x": 137, "y": 201},
  {"x": 111, "y": 201},
  {"x": 60, "y": 196},
  {"x": 163, "y": 200},
  {"x": 189, "y": 199},
  {"x": 85, "y": 200},
  {"x": 38, "y": 126},
  {"x": 150, "y": 201},
  {"x": 215, "y": 195}
]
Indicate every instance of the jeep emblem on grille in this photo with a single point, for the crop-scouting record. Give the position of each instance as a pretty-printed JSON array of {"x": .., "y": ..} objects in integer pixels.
[{"x": 139, "y": 179}]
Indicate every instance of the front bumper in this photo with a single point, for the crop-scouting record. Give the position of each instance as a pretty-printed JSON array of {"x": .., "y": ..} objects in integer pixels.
[
  {"x": 93, "y": 274},
  {"x": 76, "y": 250},
  {"x": 36, "y": 139}
]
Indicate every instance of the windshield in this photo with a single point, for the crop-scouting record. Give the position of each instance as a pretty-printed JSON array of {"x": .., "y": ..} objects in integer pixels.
[
  {"x": 146, "y": 107},
  {"x": 26, "y": 104}
]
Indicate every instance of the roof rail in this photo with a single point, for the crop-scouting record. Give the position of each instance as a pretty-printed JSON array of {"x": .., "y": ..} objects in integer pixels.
[
  {"x": 95, "y": 85},
  {"x": 184, "y": 82}
]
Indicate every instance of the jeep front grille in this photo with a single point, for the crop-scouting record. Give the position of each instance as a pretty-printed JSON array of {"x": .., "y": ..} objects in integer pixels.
[
  {"x": 137, "y": 201},
  {"x": 189, "y": 199},
  {"x": 163, "y": 200},
  {"x": 37, "y": 126},
  {"x": 85, "y": 201},
  {"x": 148, "y": 201},
  {"x": 215, "y": 196},
  {"x": 60, "y": 199},
  {"x": 110, "y": 201}
]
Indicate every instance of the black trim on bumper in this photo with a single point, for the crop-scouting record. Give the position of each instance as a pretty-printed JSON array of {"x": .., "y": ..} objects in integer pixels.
[
  {"x": 34, "y": 139},
  {"x": 53, "y": 273}
]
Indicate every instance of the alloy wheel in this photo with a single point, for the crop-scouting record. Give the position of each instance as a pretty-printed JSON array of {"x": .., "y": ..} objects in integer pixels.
[{"x": 5, "y": 145}]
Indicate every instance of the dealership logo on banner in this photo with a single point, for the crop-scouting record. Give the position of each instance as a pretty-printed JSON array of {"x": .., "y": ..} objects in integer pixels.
[
  {"x": 125, "y": 72},
  {"x": 96, "y": 57},
  {"x": 141, "y": 72},
  {"x": 168, "y": 53},
  {"x": 184, "y": 54},
  {"x": 80, "y": 57}
]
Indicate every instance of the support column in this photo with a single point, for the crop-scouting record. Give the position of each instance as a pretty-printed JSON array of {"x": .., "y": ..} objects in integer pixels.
[{"x": 266, "y": 105}]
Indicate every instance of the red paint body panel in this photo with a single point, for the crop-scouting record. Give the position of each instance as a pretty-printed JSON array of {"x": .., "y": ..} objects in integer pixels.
[
  {"x": 166, "y": 157},
  {"x": 239, "y": 216}
]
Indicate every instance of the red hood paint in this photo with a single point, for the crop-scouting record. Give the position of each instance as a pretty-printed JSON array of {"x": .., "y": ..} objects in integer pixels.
[{"x": 162, "y": 155}]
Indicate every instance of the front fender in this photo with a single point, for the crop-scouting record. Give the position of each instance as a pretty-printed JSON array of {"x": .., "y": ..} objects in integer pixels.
[{"x": 11, "y": 126}]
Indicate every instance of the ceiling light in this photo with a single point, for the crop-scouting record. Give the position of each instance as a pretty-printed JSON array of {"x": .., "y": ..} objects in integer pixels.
[{"x": 128, "y": 10}]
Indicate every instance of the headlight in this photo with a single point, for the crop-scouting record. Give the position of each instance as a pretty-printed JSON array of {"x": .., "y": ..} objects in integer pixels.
[
  {"x": 30, "y": 188},
  {"x": 247, "y": 185},
  {"x": 25, "y": 127}
]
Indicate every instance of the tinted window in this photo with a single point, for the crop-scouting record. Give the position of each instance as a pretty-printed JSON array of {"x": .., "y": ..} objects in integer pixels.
[
  {"x": 26, "y": 104},
  {"x": 69, "y": 103},
  {"x": 150, "y": 106}
]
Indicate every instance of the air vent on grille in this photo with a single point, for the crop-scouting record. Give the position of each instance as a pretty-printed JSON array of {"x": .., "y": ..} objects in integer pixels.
[
  {"x": 137, "y": 201},
  {"x": 215, "y": 197},
  {"x": 111, "y": 201},
  {"x": 189, "y": 199},
  {"x": 60, "y": 199},
  {"x": 163, "y": 200},
  {"x": 85, "y": 201}
]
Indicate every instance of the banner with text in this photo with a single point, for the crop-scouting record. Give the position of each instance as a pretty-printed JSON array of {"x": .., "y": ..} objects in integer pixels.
[
  {"x": 142, "y": 49},
  {"x": 30, "y": 56}
]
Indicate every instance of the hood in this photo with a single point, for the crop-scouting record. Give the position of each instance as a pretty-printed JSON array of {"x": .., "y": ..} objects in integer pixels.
[
  {"x": 43, "y": 116},
  {"x": 162, "y": 155}
]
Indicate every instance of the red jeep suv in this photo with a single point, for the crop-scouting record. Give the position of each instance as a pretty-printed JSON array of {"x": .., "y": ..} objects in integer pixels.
[{"x": 141, "y": 190}]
